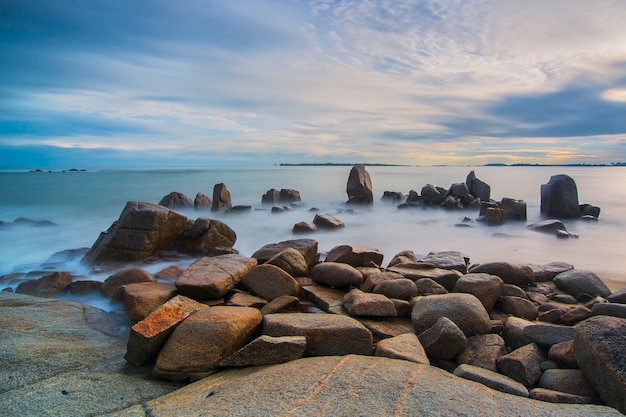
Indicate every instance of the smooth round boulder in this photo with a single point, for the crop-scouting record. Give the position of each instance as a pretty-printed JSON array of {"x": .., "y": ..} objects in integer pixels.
[
  {"x": 519, "y": 307},
  {"x": 487, "y": 288},
  {"x": 465, "y": 310},
  {"x": 520, "y": 275},
  {"x": 176, "y": 200},
  {"x": 336, "y": 274},
  {"x": 127, "y": 276},
  {"x": 270, "y": 282},
  {"x": 402, "y": 288},
  {"x": 580, "y": 281},
  {"x": 291, "y": 261}
]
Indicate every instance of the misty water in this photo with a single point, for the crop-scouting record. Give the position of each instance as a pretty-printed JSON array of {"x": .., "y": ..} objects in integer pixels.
[{"x": 83, "y": 204}]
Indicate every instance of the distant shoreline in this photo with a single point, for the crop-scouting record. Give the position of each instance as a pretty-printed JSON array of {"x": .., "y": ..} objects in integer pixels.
[{"x": 341, "y": 164}]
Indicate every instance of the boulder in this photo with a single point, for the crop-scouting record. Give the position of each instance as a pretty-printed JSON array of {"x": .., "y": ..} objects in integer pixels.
[
  {"x": 563, "y": 355},
  {"x": 48, "y": 286},
  {"x": 491, "y": 379},
  {"x": 124, "y": 277},
  {"x": 519, "y": 307},
  {"x": 282, "y": 304},
  {"x": 509, "y": 290},
  {"x": 142, "y": 298},
  {"x": 176, "y": 200},
  {"x": 577, "y": 281},
  {"x": 287, "y": 195},
  {"x": 523, "y": 364},
  {"x": 359, "y": 303},
  {"x": 307, "y": 247},
  {"x": 268, "y": 350},
  {"x": 269, "y": 282},
  {"x": 426, "y": 286},
  {"x": 599, "y": 350},
  {"x": 478, "y": 188},
  {"x": 148, "y": 336},
  {"x": 170, "y": 273},
  {"x": 482, "y": 351},
  {"x": 327, "y": 299},
  {"x": 359, "y": 186},
  {"x": 551, "y": 396},
  {"x": 618, "y": 296},
  {"x": 443, "y": 340},
  {"x": 326, "y": 221},
  {"x": 545, "y": 334},
  {"x": 487, "y": 288},
  {"x": 609, "y": 309},
  {"x": 336, "y": 274},
  {"x": 221, "y": 198},
  {"x": 513, "y": 333},
  {"x": 202, "y": 341},
  {"x": 431, "y": 194},
  {"x": 304, "y": 227},
  {"x": 406, "y": 256},
  {"x": 588, "y": 211},
  {"x": 401, "y": 288},
  {"x": 519, "y": 275},
  {"x": 415, "y": 271},
  {"x": 559, "y": 197},
  {"x": 513, "y": 209},
  {"x": 571, "y": 381},
  {"x": 447, "y": 260},
  {"x": 244, "y": 299},
  {"x": 465, "y": 310},
  {"x": 291, "y": 261},
  {"x": 142, "y": 230},
  {"x": 271, "y": 197},
  {"x": 326, "y": 334},
  {"x": 405, "y": 346},
  {"x": 552, "y": 226},
  {"x": 213, "y": 277},
  {"x": 84, "y": 287},
  {"x": 355, "y": 255},
  {"x": 394, "y": 197},
  {"x": 547, "y": 272},
  {"x": 206, "y": 237},
  {"x": 575, "y": 315},
  {"x": 494, "y": 216},
  {"x": 202, "y": 202},
  {"x": 351, "y": 386}
]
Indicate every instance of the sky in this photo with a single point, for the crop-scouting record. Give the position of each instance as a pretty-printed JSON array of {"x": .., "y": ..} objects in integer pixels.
[{"x": 257, "y": 82}]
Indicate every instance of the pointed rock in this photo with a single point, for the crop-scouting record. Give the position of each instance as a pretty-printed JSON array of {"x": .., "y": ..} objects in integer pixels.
[
  {"x": 268, "y": 350},
  {"x": 405, "y": 346}
]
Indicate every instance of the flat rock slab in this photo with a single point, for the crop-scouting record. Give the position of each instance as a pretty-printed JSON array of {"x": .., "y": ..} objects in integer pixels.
[
  {"x": 268, "y": 350},
  {"x": 351, "y": 386},
  {"x": 61, "y": 358}
]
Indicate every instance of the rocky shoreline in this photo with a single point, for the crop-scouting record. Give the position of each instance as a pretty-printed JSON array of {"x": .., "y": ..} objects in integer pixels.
[{"x": 289, "y": 330}]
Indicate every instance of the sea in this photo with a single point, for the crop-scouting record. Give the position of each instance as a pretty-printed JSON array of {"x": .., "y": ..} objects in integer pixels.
[{"x": 85, "y": 202}]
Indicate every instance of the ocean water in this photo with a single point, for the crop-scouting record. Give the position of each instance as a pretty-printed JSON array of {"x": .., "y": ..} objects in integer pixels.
[{"x": 83, "y": 204}]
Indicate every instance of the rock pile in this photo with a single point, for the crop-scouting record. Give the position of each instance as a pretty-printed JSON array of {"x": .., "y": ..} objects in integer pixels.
[{"x": 547, "y": 332}]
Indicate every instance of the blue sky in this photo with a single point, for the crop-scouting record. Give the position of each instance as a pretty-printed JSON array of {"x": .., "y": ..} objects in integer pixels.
[{"x": 204, "y": 82}]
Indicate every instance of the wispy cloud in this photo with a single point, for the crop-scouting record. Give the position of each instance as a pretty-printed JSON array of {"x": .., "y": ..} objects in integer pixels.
[{"x": 437, "y": 81}]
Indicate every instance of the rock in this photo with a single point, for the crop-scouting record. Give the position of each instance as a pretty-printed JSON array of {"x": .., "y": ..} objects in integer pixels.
[
  {"x": 202, "y": 341},
  {"x": 431, "y": 194},
  {"x": 176, "y": 200},
  {"x": 291, "y": 261},
  {"x": 487, "y": 288},
  {"x": 48, "y": 286},
  {"x": 494, "y": 216},
  {"x": 559, "y": 197},
  {"x": 545, "y": 334},
  {"x": 563, "y": 355},
  {"x": 142, "y": 230},
  {"x": 287, "y": 195},
  {"x": 513, "y": 209},
  {"x": 523, "y": 364},
  {"x": 405, "y": 346},
  {"x": 268, "y": 350},
  {"x": 519, "y": 307},
  {"x": 599, "y": 351},
  {"x": 202, "y": 202},
  {"x": 171, "y": 273},
  {"x": 402, "y": 288},
  {"x": 392, "y": 197},
  {"x": 125, "y": 277},
  {"x": 359, "y": 303},
  {"x": 359, "y": 186},
  {"x": 571, "y": 381},
  {"x": 618, "y": 296},
  {"x": 553, "y": 226},
  {"x": 575, "y": 315},
  {"x": 609, "y": 309},
  {"x": 326, "y": 221},
  {"x": 547, "y": 272},
  {"x": 269, "y": 282},
  {"x": 519, "y": 275},
  {"x": 491, "y": 379},
  {"x": 147, "y": 337},
  {"x": 478, "y": 188},
  {"x": 587, "y": 210},
  {"x": 221, "y": 198},
  {"x": 271, "y": 197},
  {"x": 62, "y": 358},
  {"x": 243, "y": 299},
  {"x": 213, "y": 277},
  {"x": 207, "y": 237},
  {"x": 447, "y": 260},
  {"x": 509, "y": 290},
  {"x": 426, "y": 286},
  {"x": 84, "y": 287},
  {"x": 282, "y": 304},
  {"x": 241, "y": 208},
  {"x": 482, "y": 351},
  {"x": 443, "y": 340},
  {"x": 351, "y": 386},
  {"x": 142, "y": 298},
  {"x": 576, "y": 281},
  {"x": 415, "y": 271},
  {"x": 355, "y": 255},
  {"x": 548, "y": 395},
  {"x": 326, "y": 334},
  {"x": 336, "y": 274},
  {"x": 304, "y": 227},
  {"x": 327, "y": 299},
  {"x": 386, "y": 327},
  {"x": 406, "y": 256},
  {"x": 307, "y": 247},
  {"x": 513, "y": 333},
  {"x": 464, "y": 310}
]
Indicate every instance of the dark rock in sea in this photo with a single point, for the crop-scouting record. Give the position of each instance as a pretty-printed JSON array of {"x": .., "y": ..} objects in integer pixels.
[
  {"x": 587, "y": 210},
  {"x": 205, "y": 236},
  {"x": 307, "y": 247},
  {"x": 202, "y": 202},
  {"x": 514, "y": 209},
  {"x": 559, "y": 197},
  {"x": 326, "y": 221},
  {"x": 271, "y": 197},
  {"x": 176, "y": 200},
  {"x": 22, "y": 221},
  {"x": 241, "y": 208},
  {"x": 304, "y": 227},
  {"x": 392, "y": 197},
  {"x": 49, "y": 286},
  {"x": 221, "y": 198},
  {"x": 478, "y": 188},
  {"x": 84, "y": 287},
  {"x": 359, "y": 187},
  {"x": 124, "y": 277},
  {"x": 288, "y": 195}
]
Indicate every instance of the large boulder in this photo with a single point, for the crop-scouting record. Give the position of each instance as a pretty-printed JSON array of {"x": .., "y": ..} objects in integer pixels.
[
  {"x": 443, "y": 340},
  {"x": 359, "y": 303},
  {"x": 291, "y": 261},
  {"x": 487, "y": 288},
  {"x": 48, "y": 286},
  {"x": 579, "y": 281},
  {"x": 142, "y": 298},
  {"x": 482, "y": 351},
  {"x": 142, "y": 230},
  {"x": 176, "y": 200},
  {"x": 599, "y": 350},
  {"x": 200, "y": 343},
  {"x": 213, "y": 277},
  {"x": 206, "y": 236},
  {"x": 359, "y": 186},
  {"x": 326, "y": 221},
  {"x": 307, "y": 247},
  {"x": 447, "y": 260},
  {"x": 202, "y": 202},
  {"x": 355, "y": 255},
  {"x": 403, "y": 346},
  {"x": 523, "y": 364},
  {"x": 418, "y": 270},
  {"x": 478, "y": 188},
  {"x": 269, "y": 282},
  {"x": 491, "y": 379},
  {"x": 221, "y": 198},
  {"x": 513, "y": 209},
  {"x": 465, "y": 310},
  {"x": 336, "y": 274},
  {"x": 519, "y": 275},
  {"x": 124, "y": 277},
  {"x": 559, "y": 197}
]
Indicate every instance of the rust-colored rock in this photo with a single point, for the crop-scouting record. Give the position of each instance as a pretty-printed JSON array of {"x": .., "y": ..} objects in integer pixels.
[
  {"x": 48, "y": 286},
  {"x": 142, "y": 298}
]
